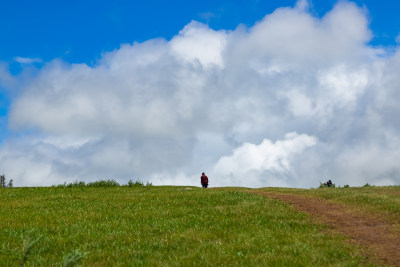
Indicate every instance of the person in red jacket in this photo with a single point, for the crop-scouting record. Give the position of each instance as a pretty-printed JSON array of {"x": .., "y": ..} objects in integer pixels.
[{"x": 204, "y": 180}]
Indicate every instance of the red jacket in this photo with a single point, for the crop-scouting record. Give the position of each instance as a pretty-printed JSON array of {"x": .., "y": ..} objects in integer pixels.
[{"x": 204, "y": 179}]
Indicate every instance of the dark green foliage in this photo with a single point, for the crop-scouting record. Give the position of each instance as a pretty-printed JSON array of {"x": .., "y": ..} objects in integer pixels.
[
  {"x": 138, "y": 183},
  {"x": 346, "y": 186},
  {"x": 367, "y": 185},
  {"x": 3, "y": 181},
  {"x": 73, "y": 184},
  {"x": 100, "y": 183},
  {"x": 103, "y": 183}
]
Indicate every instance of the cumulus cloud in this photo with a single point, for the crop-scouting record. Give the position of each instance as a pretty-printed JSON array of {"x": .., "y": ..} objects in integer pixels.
[
  {"x": 290, "y": 101},
  {"x": 197, "y": 42},
  {"x": 263, "y": 163}
]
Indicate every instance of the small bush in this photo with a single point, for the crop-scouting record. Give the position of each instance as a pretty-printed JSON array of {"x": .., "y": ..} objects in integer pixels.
[
  {"x": 76, "y": 183},
  {"x": 138, "y": 183},
  {"x": 346, "y": 186},
  {"x": 103, "y": 183},
  {"x": 367, "y": 185}
]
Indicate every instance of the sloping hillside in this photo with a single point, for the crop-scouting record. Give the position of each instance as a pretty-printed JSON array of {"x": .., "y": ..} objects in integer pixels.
[{"x": 180, "y": 226}]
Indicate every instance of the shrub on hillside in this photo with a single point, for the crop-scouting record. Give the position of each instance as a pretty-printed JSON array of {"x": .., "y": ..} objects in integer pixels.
[
  {"x": 76, "y": 183},
  {"x": 138, "y": 183},
  {"x": 103, "y": 183}
]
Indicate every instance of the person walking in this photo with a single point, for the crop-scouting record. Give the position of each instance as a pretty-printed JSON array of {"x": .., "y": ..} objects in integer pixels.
[{"x": 204, "y": 180}]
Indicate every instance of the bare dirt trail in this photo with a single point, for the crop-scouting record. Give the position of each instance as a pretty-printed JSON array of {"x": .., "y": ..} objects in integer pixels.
[{"x": 380, "y": 238}]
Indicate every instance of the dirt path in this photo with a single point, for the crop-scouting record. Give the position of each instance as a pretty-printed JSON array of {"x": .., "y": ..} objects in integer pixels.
[{"x": 379, "y": 238}]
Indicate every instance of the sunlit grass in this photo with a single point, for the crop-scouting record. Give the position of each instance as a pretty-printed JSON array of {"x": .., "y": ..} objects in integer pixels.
[{"x": 161, "y": 226}]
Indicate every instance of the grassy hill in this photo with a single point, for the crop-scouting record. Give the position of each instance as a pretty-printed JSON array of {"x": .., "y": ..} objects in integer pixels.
[{"x": 179, "y": 226}]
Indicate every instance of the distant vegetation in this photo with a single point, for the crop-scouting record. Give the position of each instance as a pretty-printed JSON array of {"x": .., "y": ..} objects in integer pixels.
[
  {"x": 131, "y": 183},
  {"x": 3, "y": 182},
  {"x": 102, "y": 183},
  {"x": 332, "y": 185}
]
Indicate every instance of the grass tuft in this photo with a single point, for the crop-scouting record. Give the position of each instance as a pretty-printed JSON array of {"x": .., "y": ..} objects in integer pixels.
[
  {"x": 74, "y": 258},
  {"x": 28, "y": 246}
]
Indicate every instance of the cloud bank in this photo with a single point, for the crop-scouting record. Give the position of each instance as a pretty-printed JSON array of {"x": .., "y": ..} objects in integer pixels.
[{"x": 291, "y": 101}]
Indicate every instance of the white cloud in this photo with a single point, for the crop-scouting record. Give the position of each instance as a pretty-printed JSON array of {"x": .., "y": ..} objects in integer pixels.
[
  {"x": 198, "y": 42},
  {"x": 217, "y": 101},
  {"x": 300, "y": 104},
  {"x": 27, "y": 60},
  {"x": 345, "y": 85},
  {"x": 265, "y": 161}
]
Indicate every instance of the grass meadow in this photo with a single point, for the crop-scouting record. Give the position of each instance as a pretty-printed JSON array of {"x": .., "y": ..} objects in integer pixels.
[{"x": 166, "y": 226}]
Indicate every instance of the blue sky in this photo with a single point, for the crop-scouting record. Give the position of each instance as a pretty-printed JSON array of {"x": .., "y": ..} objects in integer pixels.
[
  {"x": 79, "y": 31},
  {"x": 44, "y": 40}
]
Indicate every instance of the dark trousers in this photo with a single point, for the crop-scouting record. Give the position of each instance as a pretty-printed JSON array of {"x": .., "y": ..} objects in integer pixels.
[{"x": 204, "y": 185}]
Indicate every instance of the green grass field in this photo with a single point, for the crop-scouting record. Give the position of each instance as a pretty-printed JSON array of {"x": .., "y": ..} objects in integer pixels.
[{"x": 164, "y": 226}]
